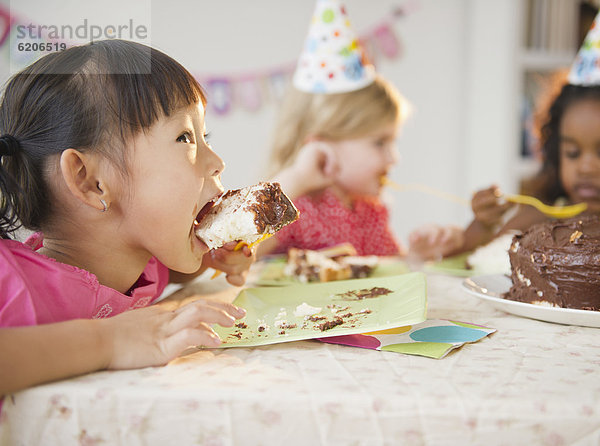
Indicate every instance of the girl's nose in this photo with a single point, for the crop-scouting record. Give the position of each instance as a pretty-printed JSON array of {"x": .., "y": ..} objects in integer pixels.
[
  {"x": 589, "y": 163},
  {"x": 217, "y": 164},
  {"x": 392, "y": 154}
]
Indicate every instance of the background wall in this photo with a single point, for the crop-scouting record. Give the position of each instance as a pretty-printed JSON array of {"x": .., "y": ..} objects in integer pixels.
[{"x": 457, "y": 69}]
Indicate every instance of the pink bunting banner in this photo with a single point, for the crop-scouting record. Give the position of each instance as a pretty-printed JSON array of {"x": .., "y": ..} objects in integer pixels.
[{"x": 251, "y": 91}]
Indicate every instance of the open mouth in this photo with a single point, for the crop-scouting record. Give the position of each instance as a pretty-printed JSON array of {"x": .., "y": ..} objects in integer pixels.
[
  {"x": 588, "y": 191},
  {"x": 203, "y": 212}
]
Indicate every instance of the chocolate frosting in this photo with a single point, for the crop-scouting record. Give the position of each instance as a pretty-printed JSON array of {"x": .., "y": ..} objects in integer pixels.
[
  {"x": 558, "y": 263},
  {"x": 272, "y": 208}
]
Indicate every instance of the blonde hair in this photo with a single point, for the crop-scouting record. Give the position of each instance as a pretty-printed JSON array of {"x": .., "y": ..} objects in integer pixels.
[{"x": 332, "y": 117}]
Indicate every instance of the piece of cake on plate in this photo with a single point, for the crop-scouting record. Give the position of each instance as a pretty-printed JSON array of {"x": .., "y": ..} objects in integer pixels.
[
  {"x": 336, "y": 263},
  {"x": 558, "y": 264},
  {"x": 248, "y": 215}
]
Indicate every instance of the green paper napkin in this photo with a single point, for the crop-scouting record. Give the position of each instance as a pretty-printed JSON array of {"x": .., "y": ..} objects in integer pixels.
[
  {"x": 434, "y": 338},
  {"x": 360, "y": 305}
]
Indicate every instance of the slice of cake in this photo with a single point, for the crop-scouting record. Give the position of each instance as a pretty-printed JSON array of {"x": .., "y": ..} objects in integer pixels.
[
  {"x": 492, "y": 258},
  {"x": 312, "y": 266},
  {"x": 328, "y": 264},
  {"x": 558, "y": 264},
  {"x": 247, "y": 215}
]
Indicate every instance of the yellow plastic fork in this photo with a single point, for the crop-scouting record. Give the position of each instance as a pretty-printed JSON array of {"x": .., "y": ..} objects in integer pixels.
[
  {"x": 425, "y": 189},
  {"x": 550, "y": 211}
]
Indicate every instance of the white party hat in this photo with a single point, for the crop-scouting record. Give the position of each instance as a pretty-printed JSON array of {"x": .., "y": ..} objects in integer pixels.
[
  {"x": 332, "y": 60},
  {"x": 586, "y": 68}
]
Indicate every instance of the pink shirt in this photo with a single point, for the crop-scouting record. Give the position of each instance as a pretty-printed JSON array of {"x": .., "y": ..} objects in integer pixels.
[
  {"x": 35, "y": 289},
  {"x": 325, "y": 221}
]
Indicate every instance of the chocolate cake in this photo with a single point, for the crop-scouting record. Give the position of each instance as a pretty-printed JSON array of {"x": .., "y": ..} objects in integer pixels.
[
  {"x": 558, "y": 264},
  {"x": 247, "y": 215}
]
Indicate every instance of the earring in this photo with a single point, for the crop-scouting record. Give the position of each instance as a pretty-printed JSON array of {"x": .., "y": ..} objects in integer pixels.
[{"x": 104, "y": 204}]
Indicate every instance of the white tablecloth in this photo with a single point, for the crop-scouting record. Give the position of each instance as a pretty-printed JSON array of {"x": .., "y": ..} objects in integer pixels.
[{"x": 529, "y": 383}]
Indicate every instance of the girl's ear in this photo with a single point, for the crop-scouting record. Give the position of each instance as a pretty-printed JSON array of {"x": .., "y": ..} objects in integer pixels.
[{"x": 81, "y": 175}]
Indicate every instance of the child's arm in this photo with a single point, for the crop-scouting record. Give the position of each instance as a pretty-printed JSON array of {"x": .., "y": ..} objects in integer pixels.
[
  {"x": 313, "y": 169},
  {"x": 488, "y": 212},
  {"x": 487, "y": 224},
  {"x": 433, "y": 242},
  {"x": 138, "y": 338},
  {"x": 235, "y": 264}
]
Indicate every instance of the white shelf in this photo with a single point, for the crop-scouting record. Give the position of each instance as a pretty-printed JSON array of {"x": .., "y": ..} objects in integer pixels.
[{"x": 543, "y": 60}]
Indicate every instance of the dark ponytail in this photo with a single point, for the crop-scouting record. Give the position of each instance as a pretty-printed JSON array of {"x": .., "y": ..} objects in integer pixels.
[{"x": 91, "y": 98}]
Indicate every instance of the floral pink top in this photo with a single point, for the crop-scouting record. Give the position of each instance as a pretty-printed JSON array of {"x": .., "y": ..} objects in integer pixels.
[
  {"x": 325, "y": 221},
  {"x": 35, "y": 289}
]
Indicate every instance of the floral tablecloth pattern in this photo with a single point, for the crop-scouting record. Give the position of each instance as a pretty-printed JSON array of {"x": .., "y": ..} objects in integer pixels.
[{"x": 529, "y": 383}]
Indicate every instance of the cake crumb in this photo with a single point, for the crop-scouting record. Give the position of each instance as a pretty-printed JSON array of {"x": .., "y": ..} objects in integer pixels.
[
  {"x": 330, "y": 324},
  {"x": 575, "y": 236},
  {"x": 366, "y": 293}
]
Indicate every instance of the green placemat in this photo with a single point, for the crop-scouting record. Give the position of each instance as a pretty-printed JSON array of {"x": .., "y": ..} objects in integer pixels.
[
  {"x": 348, "y": 306},
  {"x": 454, "y": 266},
  {"x": 272, "y": 273}
]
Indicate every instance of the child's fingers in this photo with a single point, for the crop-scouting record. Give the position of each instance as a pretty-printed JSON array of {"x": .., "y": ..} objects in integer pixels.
[
  {"x": 197, "y": 312},
  {"x": 229, "y": 308},
  {"x": 247, "y": 251},
  {"x": 187, "y": 337},
  {"x": 505, "y": 206},
  {"x": 228, "y": 250},
  {"x": 236, "y": 279},
  {"x": 452, "y": 238},
  {"x": 445, "y": 235},
  {"x": 229, "y": 246},
  {"x": 484, "y": 201},
  {"x": 486, "y": 197}
]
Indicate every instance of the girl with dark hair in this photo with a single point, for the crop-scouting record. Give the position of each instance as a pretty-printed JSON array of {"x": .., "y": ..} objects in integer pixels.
[
  {"x": 570, "y": 171},
  {"x": 570, "y": 150},
  {"x": 103, "y": 154}
]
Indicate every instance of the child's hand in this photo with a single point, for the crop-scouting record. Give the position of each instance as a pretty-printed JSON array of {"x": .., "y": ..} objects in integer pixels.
[
  {"x": 487, "y": 208},
  {"x": 432, "y": 242},
  {"x": 235, "y": 264},
  {"x": 153, "y": 336},
  {"x": 314, "y": 169}
]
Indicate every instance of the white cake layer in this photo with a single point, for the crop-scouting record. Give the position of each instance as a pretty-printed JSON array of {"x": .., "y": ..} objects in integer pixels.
[
  {"x": 493, "y": 257},
  {"x": 228, "y": 220}
]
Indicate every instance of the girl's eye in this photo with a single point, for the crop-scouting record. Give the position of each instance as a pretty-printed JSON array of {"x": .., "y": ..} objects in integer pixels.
[
  {"x": 571, "y": 152},
  {"x": 207, "y": 138},
  {"x": 185, "y": 137}
]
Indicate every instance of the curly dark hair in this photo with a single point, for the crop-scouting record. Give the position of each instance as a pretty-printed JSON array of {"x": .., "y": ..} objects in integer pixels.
[{"x": 546, "y": 184}]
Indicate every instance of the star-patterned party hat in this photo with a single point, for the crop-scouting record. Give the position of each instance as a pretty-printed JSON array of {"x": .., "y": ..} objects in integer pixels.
[
  {"x": 332, "y": 60},
  {"x": 586, "y": 68}
]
